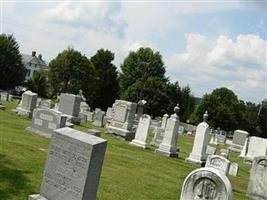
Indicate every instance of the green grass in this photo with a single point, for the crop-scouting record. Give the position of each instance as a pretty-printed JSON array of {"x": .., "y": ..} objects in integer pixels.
[{"x": 128, "y": 173}]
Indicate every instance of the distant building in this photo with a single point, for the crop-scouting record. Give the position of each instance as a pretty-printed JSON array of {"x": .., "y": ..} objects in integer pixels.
[{"x": 33, "y": 63}]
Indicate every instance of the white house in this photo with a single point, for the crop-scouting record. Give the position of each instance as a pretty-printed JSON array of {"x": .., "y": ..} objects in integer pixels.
[{"x": 33, "y": 63}]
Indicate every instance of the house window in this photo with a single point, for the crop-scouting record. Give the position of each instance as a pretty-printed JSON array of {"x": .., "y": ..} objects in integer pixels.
[{"x": 28, "y": 73}]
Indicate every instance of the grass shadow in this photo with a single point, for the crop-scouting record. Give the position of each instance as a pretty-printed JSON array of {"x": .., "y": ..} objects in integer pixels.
[{"x": 13, "y": 181}]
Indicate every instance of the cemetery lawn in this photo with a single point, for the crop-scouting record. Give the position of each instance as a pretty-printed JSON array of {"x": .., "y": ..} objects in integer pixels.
[{"x": 128, "y": 173}]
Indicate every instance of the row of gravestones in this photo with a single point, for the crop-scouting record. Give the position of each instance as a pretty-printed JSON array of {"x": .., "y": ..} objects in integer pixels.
[{"x": 75, "y": 159}]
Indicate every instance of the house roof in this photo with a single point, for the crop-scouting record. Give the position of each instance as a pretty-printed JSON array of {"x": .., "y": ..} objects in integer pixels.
[{"x": 26, "y": 58}]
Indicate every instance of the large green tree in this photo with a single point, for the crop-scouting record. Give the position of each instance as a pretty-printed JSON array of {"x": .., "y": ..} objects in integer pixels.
[
  {"x": 224, "y": 108},
  {"x": 139, "y": 66},
  {"x": 12, "y": 71},
  {"x": 262, "y": 119},
  {"x": 38, "y": 83},
  {"x": 107, "y": 82},
  {"x": 71, "y": 71}
]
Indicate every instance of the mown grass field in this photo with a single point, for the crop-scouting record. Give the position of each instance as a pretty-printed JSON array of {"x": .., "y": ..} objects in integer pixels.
[{"x": 128, "y": 173}]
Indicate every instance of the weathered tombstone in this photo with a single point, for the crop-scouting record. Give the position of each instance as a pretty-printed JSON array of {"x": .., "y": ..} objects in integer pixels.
[
  {"x": 10, "y": 97},
  {"x": 233, "y": 169},
  {"x": 90, "y": 116},
  {"x": 238, "y": 142},
  {"x": 97, "y": 110},
  {"x": 258, "y": 179},
  {"x": 84, "y": 107},
  {"x": 158, "y": 136},
  {"x": 221, "y": 138},
  {"x": 213, "y": 137},
  {"x": 206, "y": 184},
  {"x": 244, "y": 149},
  {"x": 109, "y": 113},
  {"x": 99, "y": 119},
  {"x": 46, "y": 104},
  {"x": 45, "y": 121},
  {"x": 94, "y": 132},
  {"x": 70, "y": 105},
  {"x": 198, "y": 154},
  {"x": 168, "y": 147},
  {"x": 256, "y": 147},
  {"x": 4, "y": 96},
  {"x": 83, "y": 117},
  {"x": 225, "y": 153},
  {"x": 123, "y": 119},
  {"x": 142, "y": 132},
  {"x": 218, "y": 162},
  {"x": 164, "y": 121},
  {"x": 28, "y": 104},
  {"x": 210, "y": 150},
  {"x": 181, "y": 130},
  {"x": 73, "y": 166}
]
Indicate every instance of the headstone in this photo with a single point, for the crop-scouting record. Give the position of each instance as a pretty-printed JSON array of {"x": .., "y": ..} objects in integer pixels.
[
  {"x": 158, "y": 136},
  {"x": 90, "y": 116},
  {"x": 46, "y": 104},
  {"x": 238, "y": 142},
  {"x": 99, "y": 119},
  {"x": 233, "y": 169},
  {"x": 70, "y": 105},
  {"x": 109, "y": 113},
  {"x": 181, "y": 130},
  {"x": 256, "y": 147},
  {"x": 258, "y": 179},
  {"x": 94, "y": 132},
  {"x": 198, "y": 154},
  {"x": 220, "y": 138},
  {"x": 97, "y": 110},
  {"x": 73, "y": 166},
  {"x": 4, "y": 96},
  {"x": 213, "y": 138},
  {"x": 164, "y": 121},
  {"x": 45, "y": 121},
  {"x": 84, "y": 107},
  {"x": 83, "y": 117},
  {"x": 38, "y": 103},
  {"x": 142, "y": 132},
  {"x": 244, "y": 149},
  {"x": 28, "y": 104},
  {"x": 225, "y": 153},
  {"x": 206, "y": 184},
  {"x": 218, "y": 162},
  {"x": 210, "y": 150},
  {"x": 123, "y": 119},
  {"x": 168, "y": 147},
  {"x": 10, "y": 97}
]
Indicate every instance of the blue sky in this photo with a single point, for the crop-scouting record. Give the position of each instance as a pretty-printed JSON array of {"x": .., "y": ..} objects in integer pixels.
[{"x": 205, "y": 44}]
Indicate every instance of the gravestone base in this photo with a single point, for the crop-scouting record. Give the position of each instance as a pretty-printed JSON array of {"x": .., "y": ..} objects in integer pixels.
[
  {"x": 37, "y": 197},
  {"x": 165, "y": 150},
  {"x": 125, "y": 134},
  {"x": 139, "y": 144},
  {"x": 235, "y": 148},
  {"x": 23, "y": 112},
  {"x": 41, "y": 133},
  {"x": 194, "y": 160},
  {"x": 167, "y": 153}
]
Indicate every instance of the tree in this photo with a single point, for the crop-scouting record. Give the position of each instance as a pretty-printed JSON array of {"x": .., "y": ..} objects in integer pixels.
[
  {"x": 224, "y": 108},
  {"x": 12, "y": 71},
  {"x": 140, "y": 65},
  {"x": 38, "y": 83},
  {"x": 262, "y": 118},
  {"x": 143, "y": 77},
  {"x": 107, "y": 83},
  {"x": 71, "y": 71}
]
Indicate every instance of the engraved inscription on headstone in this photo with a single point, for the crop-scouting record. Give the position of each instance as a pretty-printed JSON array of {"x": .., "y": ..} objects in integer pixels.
[
  {"x": 206, "y": 184},
  {"x": 258, "y": 179},
  {"x": 218, "y": 162},
  {"x": 73, "y": 166}
]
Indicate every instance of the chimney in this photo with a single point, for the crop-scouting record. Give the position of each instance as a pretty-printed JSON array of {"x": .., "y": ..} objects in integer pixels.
[
  {"x": 40, "y": 56},
  {"x": 33, "y": 53}
]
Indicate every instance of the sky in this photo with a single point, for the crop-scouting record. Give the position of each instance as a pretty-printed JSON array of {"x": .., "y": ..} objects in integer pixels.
[{"x": 204, "y": 44}]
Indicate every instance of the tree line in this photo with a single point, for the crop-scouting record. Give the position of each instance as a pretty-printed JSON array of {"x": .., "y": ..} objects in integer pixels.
[{"x": 142, "y": 75}]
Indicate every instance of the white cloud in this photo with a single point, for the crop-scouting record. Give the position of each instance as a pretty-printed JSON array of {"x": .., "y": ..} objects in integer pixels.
[
  {"x": 210, "y": 63},
  {"x": 97, "y": 15}
]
